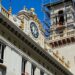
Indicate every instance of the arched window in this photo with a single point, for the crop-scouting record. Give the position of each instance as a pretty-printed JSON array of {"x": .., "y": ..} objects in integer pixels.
[{"x": 61, "y": 17}]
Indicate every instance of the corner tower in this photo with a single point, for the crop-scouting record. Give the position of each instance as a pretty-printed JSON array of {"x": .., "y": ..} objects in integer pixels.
[{"x": 62, "y": 32}]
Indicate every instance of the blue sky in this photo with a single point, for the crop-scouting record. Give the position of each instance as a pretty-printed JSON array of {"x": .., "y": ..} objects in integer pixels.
[{"x": 18, "y": 5}]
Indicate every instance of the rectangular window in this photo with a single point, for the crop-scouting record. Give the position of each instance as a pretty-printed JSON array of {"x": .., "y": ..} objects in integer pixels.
[
  {"x": 23, "y": 66},
  {"x": 2, "y": 47},
  {"x": 33, "y": 69}
]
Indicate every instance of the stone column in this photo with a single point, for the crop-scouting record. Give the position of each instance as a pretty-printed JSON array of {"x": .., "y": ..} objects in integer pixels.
[
  {"x": 28, "y": 68},
  {"x": 37, "y": 71}
]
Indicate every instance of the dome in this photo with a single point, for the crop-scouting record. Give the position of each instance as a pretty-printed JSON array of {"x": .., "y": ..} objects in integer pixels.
[{"x": 24, "y": 10}]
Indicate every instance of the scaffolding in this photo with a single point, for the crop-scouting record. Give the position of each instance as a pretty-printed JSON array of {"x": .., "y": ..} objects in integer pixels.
[
  {"x": 46, "y": 11},
  {"x": 46, "y": 6}
]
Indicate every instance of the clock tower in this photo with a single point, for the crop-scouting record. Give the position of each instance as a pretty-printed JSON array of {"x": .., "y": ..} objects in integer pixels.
[{"x": 30, "y": 24}]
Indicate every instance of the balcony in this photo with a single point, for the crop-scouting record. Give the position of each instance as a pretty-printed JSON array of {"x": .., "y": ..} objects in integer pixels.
[
  {"x": 60, "y": 27},
  {"x": 4, "y": 12}
]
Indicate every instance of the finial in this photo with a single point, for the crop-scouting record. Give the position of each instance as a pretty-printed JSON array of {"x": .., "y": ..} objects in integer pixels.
[
  {"x": 25, "y": 8},
  {"x": 32, "y": 9},
  {"x": 10, "y": 10}
]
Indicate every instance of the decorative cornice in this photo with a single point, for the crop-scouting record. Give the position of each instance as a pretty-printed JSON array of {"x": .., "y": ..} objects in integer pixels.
[{"x": 22, "y": 36}]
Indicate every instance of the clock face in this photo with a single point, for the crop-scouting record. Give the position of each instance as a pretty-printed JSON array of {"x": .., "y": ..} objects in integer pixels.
[{"x": 34, "y": 30}]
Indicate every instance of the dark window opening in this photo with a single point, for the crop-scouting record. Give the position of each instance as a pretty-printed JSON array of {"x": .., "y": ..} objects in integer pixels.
[
  {"x": 2, "y": 47},
  {"x": 33, "y": 69},
  {"x": 72, "y": 39},
  {"x": 60, "y": 43},
  {"x": 68, "y": 40},
  {"x": 55, "y": 44},
  {"x": 52, "y": 45},
  {"x": 23, "y": 65},
  {"x": 61, "y": 17},
  {"x": 64, "y": 41}
]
